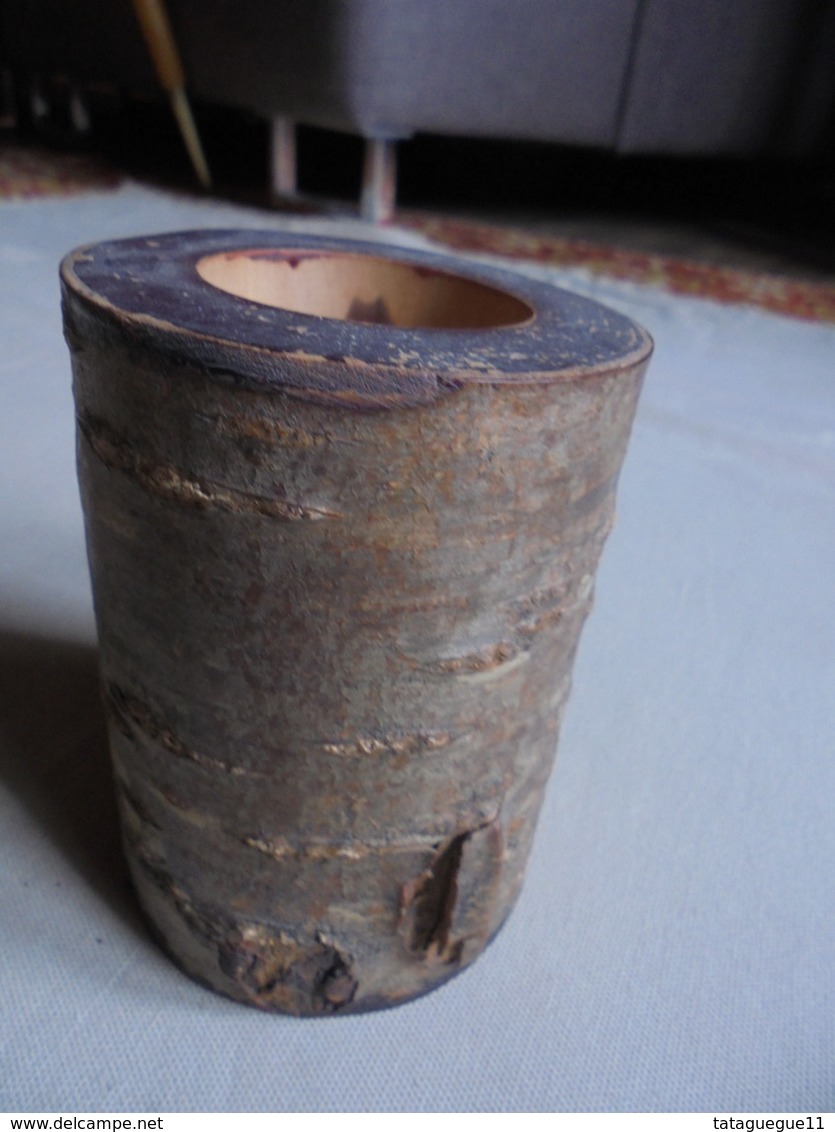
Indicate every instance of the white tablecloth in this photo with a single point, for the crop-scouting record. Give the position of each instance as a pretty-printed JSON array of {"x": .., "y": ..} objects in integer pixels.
[{"x": 673, "y": 948}]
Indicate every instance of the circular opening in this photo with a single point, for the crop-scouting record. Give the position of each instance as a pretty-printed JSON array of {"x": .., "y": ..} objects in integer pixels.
[{"x": 359, "y": 288}]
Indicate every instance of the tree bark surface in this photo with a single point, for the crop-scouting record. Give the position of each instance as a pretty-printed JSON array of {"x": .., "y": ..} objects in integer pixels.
[{"x": 340, "y": 569}]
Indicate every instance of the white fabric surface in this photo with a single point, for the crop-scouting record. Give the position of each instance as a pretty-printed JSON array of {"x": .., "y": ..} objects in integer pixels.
[{"x": 673, "y": 947}]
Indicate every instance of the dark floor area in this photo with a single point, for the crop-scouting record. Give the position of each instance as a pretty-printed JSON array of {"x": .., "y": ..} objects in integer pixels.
[{"x": 759, "y": 212}]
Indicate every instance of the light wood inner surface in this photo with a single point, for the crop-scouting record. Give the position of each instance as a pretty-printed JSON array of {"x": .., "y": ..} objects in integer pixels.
[{"x": 359, "y": 288}]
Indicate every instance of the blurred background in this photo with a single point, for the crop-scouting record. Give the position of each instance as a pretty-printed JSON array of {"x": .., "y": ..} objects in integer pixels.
[{"x": 701, "y": 128}]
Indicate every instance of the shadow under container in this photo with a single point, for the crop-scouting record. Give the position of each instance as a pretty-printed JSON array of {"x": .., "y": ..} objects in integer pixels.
[{"x": 344, "y": 505}]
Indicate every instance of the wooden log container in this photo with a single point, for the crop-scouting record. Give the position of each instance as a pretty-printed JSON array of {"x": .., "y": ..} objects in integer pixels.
[{"x": 344, "y": 506}]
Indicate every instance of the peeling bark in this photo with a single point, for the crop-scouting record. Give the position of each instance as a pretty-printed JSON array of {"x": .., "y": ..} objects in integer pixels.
[
  {"x": 495, "y": 656},
  {"x": 168, "y": 483},
  {"x": 445, "y": 911},
  {"x": 280, "y": 972},
  {"x": 389, "y": 744},
  {"x": 131, "y": 715},
  {"x": 428, "y": 902},
  {"x": 279, "y": 848}
]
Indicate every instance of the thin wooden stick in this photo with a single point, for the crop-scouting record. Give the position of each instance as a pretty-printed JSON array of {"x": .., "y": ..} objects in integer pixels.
[{"x": 159, "y": 37}]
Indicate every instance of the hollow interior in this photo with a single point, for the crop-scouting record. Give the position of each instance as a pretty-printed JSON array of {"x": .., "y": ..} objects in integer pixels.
[{"x": 360, "y": 288}]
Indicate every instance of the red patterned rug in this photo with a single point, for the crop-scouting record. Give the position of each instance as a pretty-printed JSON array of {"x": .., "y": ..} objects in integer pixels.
[
  {"x": 34, "y": 173},
  {"x": 784, "y": 295}
]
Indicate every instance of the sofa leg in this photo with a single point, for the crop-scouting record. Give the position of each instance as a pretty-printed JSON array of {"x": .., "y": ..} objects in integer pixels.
[
  {"x": 39, "y": 105},
  {"x": 379, "y": 180},
  {"x": 79, "y": 113},
  {"x": 283, "y": 175}
]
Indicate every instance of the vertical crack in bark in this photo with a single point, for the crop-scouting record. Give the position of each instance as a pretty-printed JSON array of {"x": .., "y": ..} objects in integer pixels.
[
  {"x": 429, "y": 901},
  {"x": 446, "y": 911}
]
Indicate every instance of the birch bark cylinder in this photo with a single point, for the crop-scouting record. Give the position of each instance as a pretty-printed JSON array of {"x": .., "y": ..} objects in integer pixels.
[{"x": 344, "y": 506}]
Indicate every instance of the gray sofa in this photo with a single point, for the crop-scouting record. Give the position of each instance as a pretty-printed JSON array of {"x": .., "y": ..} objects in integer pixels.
[{"x": 719, "y": 77}]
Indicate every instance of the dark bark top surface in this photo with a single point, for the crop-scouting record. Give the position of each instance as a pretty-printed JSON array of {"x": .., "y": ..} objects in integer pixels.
[{"x": 149, "y": 289}]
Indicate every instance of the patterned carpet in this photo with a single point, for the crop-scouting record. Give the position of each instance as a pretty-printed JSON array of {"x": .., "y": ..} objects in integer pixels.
[
  {"x": 797, "y": 298},
  {"x": 35, "y": 173}
]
